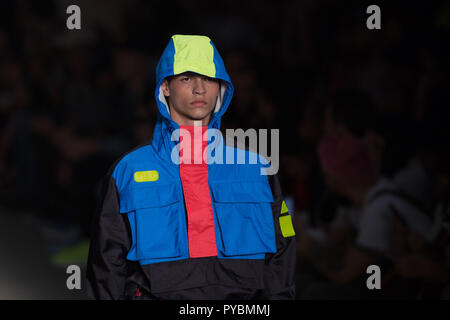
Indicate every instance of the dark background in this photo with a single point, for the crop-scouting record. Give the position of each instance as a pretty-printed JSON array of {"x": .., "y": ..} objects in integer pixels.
[{"x": 71, "y": 102}]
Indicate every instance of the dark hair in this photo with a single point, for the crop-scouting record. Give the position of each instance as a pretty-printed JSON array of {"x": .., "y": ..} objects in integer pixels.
[{"x": 169, "y": 78}]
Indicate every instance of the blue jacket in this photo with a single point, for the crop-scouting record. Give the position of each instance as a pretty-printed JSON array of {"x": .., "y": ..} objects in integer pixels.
[{"x": 154, "y": 211}]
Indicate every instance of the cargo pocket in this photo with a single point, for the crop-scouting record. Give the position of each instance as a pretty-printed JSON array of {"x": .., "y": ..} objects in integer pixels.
[
  {"x": 244, "y": 216},
  {"x": 157, "y": 228}
]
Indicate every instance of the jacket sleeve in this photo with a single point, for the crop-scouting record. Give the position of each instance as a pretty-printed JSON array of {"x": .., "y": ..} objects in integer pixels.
[
  {"x": 110, "y": 241},
  {"x": 279, "y": 276}
]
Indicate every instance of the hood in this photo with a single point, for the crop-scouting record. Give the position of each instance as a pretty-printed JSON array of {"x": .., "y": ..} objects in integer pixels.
[{"x": 196, "y": 54}]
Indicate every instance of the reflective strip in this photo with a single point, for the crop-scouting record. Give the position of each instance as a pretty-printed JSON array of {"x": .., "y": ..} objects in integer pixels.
[
  {"x": 144, "y": 176},
  {"x": 287, "y": 229},
  {"x": 284, "y": 208},
  {"x": 193, "y": 53}
]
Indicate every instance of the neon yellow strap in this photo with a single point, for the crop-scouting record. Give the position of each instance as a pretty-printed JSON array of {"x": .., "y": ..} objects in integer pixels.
[
  {"x": 287, "y": 228},
  {"x": 284, "y": 208}
]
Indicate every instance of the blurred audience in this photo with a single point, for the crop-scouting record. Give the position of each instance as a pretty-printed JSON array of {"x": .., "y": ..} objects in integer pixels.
[{"x": 362, "y": 118}]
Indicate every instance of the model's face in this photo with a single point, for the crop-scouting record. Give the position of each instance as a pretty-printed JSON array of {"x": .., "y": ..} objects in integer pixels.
[{"x": 192, "y": 97}]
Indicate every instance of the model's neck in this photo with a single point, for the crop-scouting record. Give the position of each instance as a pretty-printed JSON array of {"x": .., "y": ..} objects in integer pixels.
[{"x": 182, "y": 121}]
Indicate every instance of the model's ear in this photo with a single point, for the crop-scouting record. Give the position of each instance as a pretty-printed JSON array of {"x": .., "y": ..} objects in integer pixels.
[{"x": 165, "y": 88}]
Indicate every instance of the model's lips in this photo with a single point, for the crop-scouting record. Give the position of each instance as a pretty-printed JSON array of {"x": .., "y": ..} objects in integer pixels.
[{"x": 198, "y": 103}]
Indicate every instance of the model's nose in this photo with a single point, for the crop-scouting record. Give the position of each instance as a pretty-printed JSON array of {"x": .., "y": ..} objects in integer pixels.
[{"x": 199, "y": 86}]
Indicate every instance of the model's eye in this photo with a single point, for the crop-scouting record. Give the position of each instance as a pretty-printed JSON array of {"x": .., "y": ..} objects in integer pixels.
[{"x": 185, "y": 79}]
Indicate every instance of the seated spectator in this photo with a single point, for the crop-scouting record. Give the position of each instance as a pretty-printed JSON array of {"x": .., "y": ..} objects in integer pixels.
[
  {"x": 429, "y": 264},
  {"x": 349, "y": 173}
]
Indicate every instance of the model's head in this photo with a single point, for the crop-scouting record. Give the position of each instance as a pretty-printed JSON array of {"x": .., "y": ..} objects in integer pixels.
[
  {"x": 191, "y": 97},
  {"x": 191, "y": 82}
]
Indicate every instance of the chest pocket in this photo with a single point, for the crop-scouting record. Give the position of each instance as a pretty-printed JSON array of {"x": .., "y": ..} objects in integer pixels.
[
  {"x": 244, "y": 216},
  {"x": 156, "y": 221}
]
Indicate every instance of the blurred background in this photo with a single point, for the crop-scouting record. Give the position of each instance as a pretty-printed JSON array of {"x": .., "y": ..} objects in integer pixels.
[{"x": 363, "y": 118}]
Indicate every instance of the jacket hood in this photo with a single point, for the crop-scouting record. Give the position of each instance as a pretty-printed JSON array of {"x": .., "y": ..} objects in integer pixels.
[{"x": 196, "y": 54}]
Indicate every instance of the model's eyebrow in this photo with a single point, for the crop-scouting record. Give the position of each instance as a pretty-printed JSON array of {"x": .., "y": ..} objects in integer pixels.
[{"x": 189, "y": 74}]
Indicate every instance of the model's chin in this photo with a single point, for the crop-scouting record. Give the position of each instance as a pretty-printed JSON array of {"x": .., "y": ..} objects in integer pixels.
[{"x": 199, "y": 114}]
